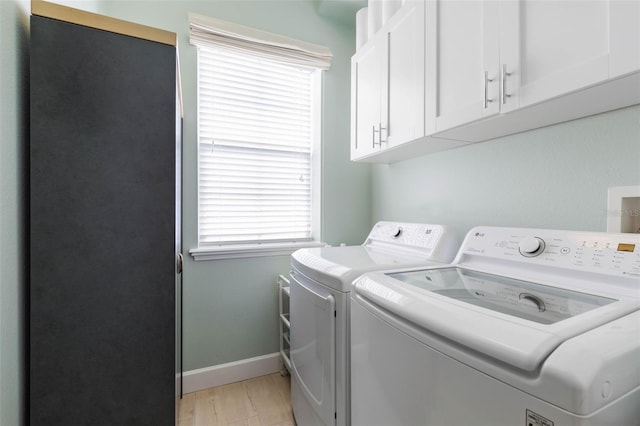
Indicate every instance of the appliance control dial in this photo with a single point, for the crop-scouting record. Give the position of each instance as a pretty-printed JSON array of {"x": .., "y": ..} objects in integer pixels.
[
  {"x": 533, "y": 301},
  {"x": 531, "y": 246},
  {"x": 397, "y": 232}
]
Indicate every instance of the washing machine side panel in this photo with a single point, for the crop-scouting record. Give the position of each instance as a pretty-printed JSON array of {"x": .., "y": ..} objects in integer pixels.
[
  {"x": 588, "y": 372},
  {"x": 313, "y": 336},
  {"x": 385, "y": 389},
  {"x": 397, "y": 380}
]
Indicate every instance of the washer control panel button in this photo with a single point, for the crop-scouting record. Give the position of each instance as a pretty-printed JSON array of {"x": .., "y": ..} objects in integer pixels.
[{"x": 531, "y": 246}]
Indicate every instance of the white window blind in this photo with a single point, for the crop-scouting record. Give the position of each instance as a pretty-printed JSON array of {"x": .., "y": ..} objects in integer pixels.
[
  {"x": 211, "y": 32},
  {"x": 255, "y": 136}
]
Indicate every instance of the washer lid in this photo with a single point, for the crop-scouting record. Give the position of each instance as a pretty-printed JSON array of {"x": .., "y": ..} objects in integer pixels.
[
  {"x": 522, "y": 299},
  {"x": 517, "y": 322}
]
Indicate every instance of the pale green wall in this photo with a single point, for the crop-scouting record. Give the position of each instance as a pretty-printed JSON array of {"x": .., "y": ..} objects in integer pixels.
[
  {"x": 230, "y": 307},
  {"x": 554, "y": 177},
  {"x": 13, "y": 138}
]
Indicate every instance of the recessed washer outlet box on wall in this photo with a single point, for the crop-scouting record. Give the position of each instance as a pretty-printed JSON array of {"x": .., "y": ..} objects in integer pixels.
[{"x": 623, "y": 209}]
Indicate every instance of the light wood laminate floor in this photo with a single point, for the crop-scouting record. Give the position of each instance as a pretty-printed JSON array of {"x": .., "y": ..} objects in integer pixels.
[{"x": 263, "y": 401}]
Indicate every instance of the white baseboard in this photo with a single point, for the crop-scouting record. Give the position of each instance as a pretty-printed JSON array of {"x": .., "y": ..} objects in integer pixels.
[{"x": 218, "y": 375}]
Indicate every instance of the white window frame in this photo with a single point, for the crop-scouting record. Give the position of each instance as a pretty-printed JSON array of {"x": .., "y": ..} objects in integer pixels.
[{"x": 260, "y": 249}]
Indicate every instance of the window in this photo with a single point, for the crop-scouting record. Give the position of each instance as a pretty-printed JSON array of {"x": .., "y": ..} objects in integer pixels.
[
  {"x": 255, "y": 137},
  {"x": 258, "y": 131}
]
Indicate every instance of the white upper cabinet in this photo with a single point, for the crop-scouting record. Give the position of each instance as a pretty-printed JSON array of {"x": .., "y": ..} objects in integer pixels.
[
  {"x": 624, "y": 37},
  {"x": 444, "y": 73},
  {"x": 387, "y": 84},
  {"x": 489, "y": 58},
  {"x": 403, "y": 101},
  {"x": 366, "y": 79},
  {"x": 557, "y": 47},
  {"x": 462, "y": 55}
]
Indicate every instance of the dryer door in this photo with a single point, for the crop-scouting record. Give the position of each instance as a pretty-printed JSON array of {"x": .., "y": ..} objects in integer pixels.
[{"x": 313, "y": 329}]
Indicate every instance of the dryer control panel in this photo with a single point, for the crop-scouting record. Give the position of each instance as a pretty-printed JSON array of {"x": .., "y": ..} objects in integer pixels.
[
  {"x": 406, "y": 234},
  {"x": 605, "y": 253},
  {"x": 433, "y": 242}
]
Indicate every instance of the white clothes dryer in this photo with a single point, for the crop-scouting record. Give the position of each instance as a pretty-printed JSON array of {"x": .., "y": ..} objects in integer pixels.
[
  {"x": 526, "y": 327},
  {"x": 320, "y": 283}
]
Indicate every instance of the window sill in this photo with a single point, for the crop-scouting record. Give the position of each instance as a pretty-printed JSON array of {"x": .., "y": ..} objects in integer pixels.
[{"x": 238, "y": 251}]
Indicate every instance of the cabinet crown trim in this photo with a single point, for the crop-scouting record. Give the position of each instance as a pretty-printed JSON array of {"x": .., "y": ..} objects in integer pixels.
[{"x": 101, "y": 22}]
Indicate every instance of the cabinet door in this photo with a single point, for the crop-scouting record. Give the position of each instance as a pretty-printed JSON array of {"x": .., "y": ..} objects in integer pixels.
[
  {"x": 462, "y": 62},
  {"x": 102, "y": 299},
  {"x": 403, "y": 94},
  {"x": 366, "y": 69},
  {"x": 624, "y": 27},
  {"x": 564, "y": 46}
]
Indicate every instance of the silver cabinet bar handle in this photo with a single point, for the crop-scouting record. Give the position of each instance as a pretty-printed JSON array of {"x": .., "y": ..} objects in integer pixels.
[
  {"x": 503, "y": 89},
  {"x": 373, "y": 136},
  {"x": 487, "y": 80},
  {"x": 381, "y": 129}
]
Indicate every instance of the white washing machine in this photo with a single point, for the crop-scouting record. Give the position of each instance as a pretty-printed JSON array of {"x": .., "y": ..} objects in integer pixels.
[
  {"x": 527, "y": 327},
  {"x": 321, "y": 280}
]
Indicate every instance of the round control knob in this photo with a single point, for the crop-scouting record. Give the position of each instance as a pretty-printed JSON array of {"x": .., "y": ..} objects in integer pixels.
[
  {"x": 397, "y": 232},
  {"x": 531, "y": 246},
  {"x": 532, "y": 301}
]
